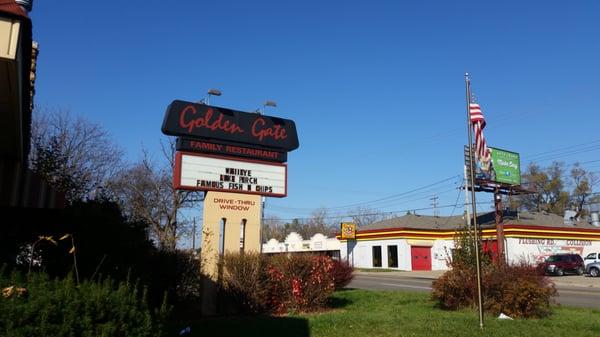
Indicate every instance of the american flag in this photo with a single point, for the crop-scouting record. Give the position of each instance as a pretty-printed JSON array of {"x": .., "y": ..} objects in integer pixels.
[{"x": 482, "y": 152}]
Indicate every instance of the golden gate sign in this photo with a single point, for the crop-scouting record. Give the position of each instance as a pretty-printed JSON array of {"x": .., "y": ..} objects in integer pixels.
[{"x": 236, "y": 158}]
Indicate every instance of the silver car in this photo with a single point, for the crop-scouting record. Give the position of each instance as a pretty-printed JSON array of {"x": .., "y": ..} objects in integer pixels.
[{"x": 593, "y": 269}]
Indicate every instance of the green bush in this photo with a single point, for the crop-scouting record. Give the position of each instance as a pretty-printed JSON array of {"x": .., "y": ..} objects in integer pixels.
[{"x": 40, "y": 306}]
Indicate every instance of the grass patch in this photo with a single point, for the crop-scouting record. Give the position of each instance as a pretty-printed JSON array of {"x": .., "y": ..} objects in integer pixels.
[{"x": 393, "y": 313}]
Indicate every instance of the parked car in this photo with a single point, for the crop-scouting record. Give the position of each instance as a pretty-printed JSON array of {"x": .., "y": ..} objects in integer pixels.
[
  {"x": 593, "y": 269},
  {"x": 561, "y": 264},
  {"x": 591, "y": 258}
]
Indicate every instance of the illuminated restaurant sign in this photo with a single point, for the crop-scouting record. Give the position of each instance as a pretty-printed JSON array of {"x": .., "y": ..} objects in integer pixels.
[
  {"x": 230, "y": 149},
  {"x": 199, "y": 121}
]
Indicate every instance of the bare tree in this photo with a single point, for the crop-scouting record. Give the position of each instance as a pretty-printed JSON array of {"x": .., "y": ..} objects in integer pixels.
[
  {"x": 318, "y": 222},
  {"x": 272, "y": 228},
  {"x": 363, "y": 216},
  {"x": 146, "y": 193},
  {"x": 72, "y": 154}
]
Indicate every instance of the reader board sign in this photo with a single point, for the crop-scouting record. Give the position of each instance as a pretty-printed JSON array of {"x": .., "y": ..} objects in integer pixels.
[{"x": 203, "y": 172}]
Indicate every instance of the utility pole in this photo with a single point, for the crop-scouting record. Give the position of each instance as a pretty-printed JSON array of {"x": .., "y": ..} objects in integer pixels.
[
  {"x": 194, "y": 237},
  {"x": 434, "y": 204},
  {"x": 263, "y": 201},
  {"x": 499, "y": 225},
  {"x": 467, "y": 212}
]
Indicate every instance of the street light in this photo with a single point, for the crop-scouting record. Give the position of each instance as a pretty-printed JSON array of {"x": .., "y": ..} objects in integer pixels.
[
  {"x": 270, "y": 103},
  {"x": 267, "y": 103},
  {"x": 212, "y": 92}
]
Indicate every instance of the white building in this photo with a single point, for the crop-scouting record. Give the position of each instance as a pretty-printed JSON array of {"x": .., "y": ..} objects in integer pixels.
[
  {"x": 421, "y": 242},
  {"x": 294, "y": 243}
]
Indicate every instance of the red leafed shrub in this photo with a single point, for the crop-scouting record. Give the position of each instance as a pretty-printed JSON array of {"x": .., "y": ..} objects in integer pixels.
[
  {"x": 515, "y": 290},
  {"x": 280, "y": 283},
  {"x": 455, "y": 289},
  {"x": 343, "y": 273},
  {"x": 299, "y": 282}
]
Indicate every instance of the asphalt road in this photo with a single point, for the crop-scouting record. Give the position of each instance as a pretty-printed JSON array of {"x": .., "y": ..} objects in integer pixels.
[{"x": 571, "y": 295}]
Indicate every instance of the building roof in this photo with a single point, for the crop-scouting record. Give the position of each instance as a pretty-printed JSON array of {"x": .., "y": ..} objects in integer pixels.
[
  {"x": 11, "y": 7},
  {"x": 486, "y": 220}
]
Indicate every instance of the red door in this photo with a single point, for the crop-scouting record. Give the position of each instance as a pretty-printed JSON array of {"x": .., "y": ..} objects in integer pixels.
[
  {"x": 490, "y": 247},
  {"x": 420, "y": 258}
]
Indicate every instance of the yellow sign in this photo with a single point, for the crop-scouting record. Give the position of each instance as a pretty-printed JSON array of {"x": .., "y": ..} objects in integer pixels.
[{"x": 348, "y": 230}]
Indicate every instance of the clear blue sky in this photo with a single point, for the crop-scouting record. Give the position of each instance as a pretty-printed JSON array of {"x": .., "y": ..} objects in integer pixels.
[{"x": 376, "y": 88}]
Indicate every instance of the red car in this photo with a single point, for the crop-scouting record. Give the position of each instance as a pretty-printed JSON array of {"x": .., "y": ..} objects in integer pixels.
[{"x": 561, "y": 264}]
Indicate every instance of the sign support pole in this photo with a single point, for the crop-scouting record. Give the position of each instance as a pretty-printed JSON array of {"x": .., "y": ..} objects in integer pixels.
[
  {"x": 499, "y": 226},
  {"x": 473, "y": 205},
  {"x": 467, "y": 183}
]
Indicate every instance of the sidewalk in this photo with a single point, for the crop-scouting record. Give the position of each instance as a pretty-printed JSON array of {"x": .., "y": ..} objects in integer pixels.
[
  {"x": 568, "y": 280},
  {"x": 577, "y": 281},
  {"x": 422, "y": 274}
]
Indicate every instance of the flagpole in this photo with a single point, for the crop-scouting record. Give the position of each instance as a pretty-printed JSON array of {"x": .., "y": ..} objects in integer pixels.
[{"x": 473, "y": 205}]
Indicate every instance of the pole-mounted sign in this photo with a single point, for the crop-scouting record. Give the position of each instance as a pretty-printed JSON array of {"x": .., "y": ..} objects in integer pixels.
[
  {"x": 348, "y": 231},
  {"x": 505, "y": 167},
  {"x": 227, "y": 150},
  {"x": 237, "y": 158},
  {"x": 201, "y": 172},
  {"x": 230, "y": 149},
  {"x": 199, "y": 121}
]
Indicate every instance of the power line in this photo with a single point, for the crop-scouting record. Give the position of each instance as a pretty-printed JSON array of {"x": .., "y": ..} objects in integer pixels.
[
  {"x": 342, "y": 216},
  {"x": 542, "y": 154},
  {"x": 383, "y": 205},
  {"x": 390, "y": 197},
  {"x": 386, "y": 205},
  {"x": 569, "y": 153},
  {"x": 455, "y": 203}
]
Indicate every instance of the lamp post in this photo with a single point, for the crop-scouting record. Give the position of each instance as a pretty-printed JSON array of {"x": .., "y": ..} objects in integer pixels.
[
  {"x": 264, "y": 199},
  {"x": 212, "y": 92},
  {"x": 267, "y": 103}
]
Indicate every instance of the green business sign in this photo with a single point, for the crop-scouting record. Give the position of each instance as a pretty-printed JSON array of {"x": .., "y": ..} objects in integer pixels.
[{"x": 506, "y": 166}]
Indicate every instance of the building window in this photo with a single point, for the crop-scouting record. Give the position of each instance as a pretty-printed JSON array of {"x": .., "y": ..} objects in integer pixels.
[
  {"x": 392, "y": 256},
  {"x": 376, "y": 256},
  {"x": 242, "y": 235},
  {"x": 222, "y": 236}
]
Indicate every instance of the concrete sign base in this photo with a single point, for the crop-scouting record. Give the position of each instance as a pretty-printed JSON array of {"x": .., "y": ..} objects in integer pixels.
[{"x": 231, "y": 225}]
